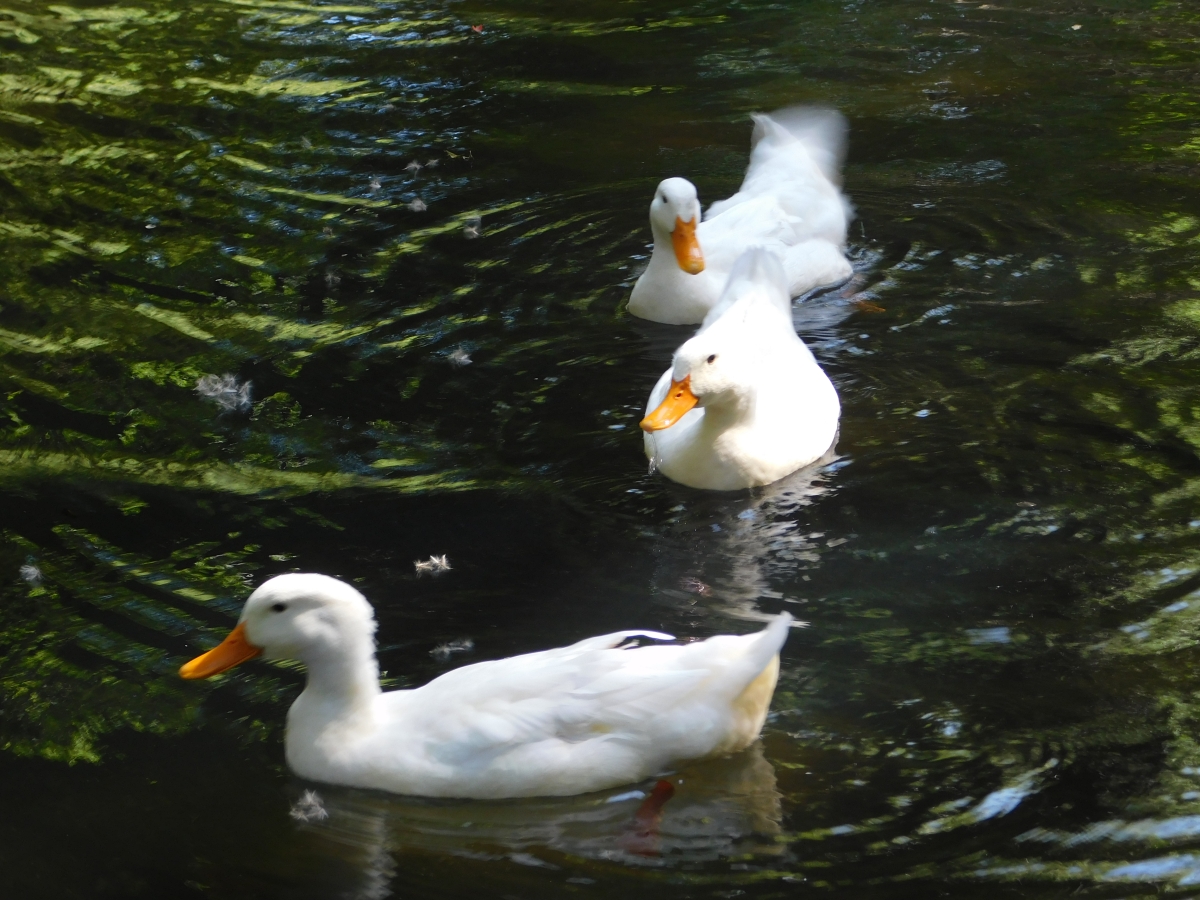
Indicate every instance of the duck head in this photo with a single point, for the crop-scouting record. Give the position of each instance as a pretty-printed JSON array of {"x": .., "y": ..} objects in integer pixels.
[
  {"x": 674, "y": 215},
  {"x": 708, "y": 371},
  {"x": 724, "y": 363},
  {"x": 311, "y": 618}
]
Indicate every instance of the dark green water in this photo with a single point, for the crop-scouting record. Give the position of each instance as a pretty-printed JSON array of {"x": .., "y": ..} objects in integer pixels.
[{"x": 998, "y": 693}]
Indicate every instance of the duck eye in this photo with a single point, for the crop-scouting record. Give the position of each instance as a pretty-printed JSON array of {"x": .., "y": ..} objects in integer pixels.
[
  {"x": 712, "y": 358},
  {"x": 278, "y": 607}
]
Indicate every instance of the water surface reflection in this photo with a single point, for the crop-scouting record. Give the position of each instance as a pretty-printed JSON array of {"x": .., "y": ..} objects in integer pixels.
[
  {"x": 719, "y": 808},
  {"x": 997, "y": 689}
]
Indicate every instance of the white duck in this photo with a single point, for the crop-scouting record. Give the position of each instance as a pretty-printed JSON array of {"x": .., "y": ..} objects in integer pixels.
[
  {"x": 789, "y": 202},
  {"x": 559, "y": 722},
  {"x": 765, "y": 406}
]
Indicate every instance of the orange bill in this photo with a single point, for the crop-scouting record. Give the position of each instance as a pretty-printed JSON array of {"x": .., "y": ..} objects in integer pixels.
[
  {"x": 687, "y": 247},
  {"x": 227, "y": 654},
  {"x": 679, "y": 400}
]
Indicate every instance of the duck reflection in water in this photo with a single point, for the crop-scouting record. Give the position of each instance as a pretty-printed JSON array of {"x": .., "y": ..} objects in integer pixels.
[
  {"x": 723, "y": 551},
  {"x": 708, "y": 811}
]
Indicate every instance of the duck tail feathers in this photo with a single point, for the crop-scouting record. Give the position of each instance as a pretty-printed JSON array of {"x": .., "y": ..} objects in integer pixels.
[
  {"x": 823, "y": 132},
  {"x": 760, "y": 651},
  {"x": 775, "y": 635},
  {"x": 759, "y": 272}
]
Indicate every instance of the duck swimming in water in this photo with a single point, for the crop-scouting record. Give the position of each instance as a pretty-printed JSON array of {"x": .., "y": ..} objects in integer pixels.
[
  {"x": 582, "y": 718},
  {"x": 789, "y": 202},
  {"x": 745, "y": 402}
]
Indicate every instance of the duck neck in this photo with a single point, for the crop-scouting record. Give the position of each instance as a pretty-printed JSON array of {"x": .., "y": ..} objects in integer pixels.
[
  {"x": 730, "y": 411},
  {"x": 663, "y": 253},
  {"x": 344, "y": 678}
]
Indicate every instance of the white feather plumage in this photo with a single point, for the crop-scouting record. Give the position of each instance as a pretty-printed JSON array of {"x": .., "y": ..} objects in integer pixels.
[
  {"x": 565, "y": 721},
  {"x": 789, "y": 203}
]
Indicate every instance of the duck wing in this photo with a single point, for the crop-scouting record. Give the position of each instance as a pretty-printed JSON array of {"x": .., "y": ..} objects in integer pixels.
[
  {"x": 760, "y": 221},
  {"x": 810, "y": 256},
  {"x": 590, "y": 692}
]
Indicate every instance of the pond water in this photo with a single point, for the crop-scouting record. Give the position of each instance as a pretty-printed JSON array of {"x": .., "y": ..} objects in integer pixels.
[{"x": 997, "y": 693}]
